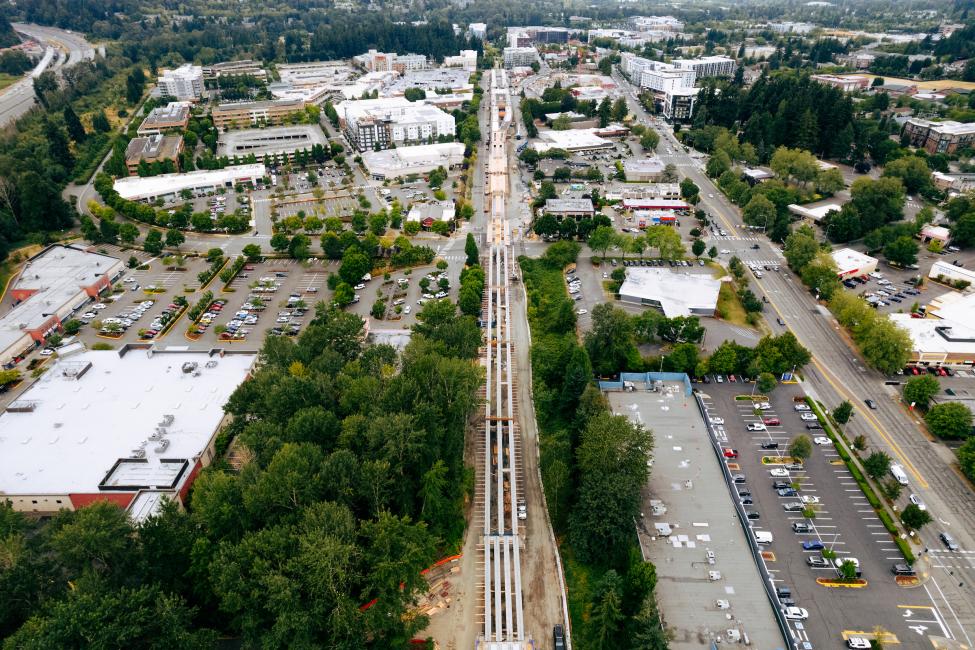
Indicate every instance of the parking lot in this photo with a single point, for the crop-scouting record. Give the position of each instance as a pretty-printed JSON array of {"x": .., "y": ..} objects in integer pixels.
[
  {"x": 333, "y": 204},
  {"x": 780, "y": 495}
]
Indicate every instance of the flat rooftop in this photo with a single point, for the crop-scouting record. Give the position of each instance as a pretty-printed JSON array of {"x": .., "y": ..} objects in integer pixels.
[
  {"x": 82, "y": 424},
  {"x": 453, "y": 78},
  {"x": 644, "y": 165},
  {"x": 286, "y": 104},
  {"x": 270, "y": 141},
  {"x": 569, "y": 205},
  {"x": 679, "y": 293},
  {"x": 424, "y": 156},
  {"x": 848, "y": 260},
  {"x": 571, "y": 140},
  {"x": 686, "y": 479},
  {"x": 57, "y": 276},
  {"x": 154, "y": 147},
  {"x": 171, "y": 113},
  {"x": 136, "y": 187},
  {"x": 936, "y": 336}
]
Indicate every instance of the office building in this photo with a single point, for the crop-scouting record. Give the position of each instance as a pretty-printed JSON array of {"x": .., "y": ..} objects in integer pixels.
[
  {"x": 372, "y": 124},
  {"x": 946, "y": 336},
  {"x": 51, "y": 288},
  {"x": 525, "y": 36},
  {"x": 673, "y": 293},
  {"x": 153, "y": 149},
  {"x": 185, "y": 82},
  {"x": 518, "y": 57},
  {"x": 172, "y": 116},
  {"x": 374, "y": 61},
  {"x": 167, "y": 187},
  {"x": 244, "y": 114},
  {"x": 672, "y": 87},
  {"x": 939, "y": 137},
  {"x": 130, "y": 427},
  {"x": 664, "y": 23},
  {"x": 418, "y": 160}
]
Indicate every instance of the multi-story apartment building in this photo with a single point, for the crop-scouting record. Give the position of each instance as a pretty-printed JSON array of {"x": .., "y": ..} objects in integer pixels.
[
  {"x": 184, "y": 83},
  {"x": 708, "y": 66},
  {"x": 246, "y": 114},
  {"x": 939, "y": 137},
  {"x": 375, "y": 124},
  {"x": 515, "y": 57}
]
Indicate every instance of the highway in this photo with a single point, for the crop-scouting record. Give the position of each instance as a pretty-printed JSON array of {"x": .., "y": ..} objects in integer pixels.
[
  {"x": 62, "y": 48},
  {"x": 836, "y": 374}
]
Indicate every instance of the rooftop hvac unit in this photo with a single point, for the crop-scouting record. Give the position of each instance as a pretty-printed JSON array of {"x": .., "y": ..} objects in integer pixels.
[
  {"x": 162, "y": 446},
  {"x": 211, "y": 363},
  {"x": 167, "y": 420},
  {"x": 138, "y": 453},
  {"x": 189, "y": 366}
]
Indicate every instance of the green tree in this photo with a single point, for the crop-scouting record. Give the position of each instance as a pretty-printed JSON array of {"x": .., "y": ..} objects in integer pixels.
[
  {"x": 128, "y": 232},
  {"x": 919, "y": 390},
  {"x": 100, "y": 123},
  {"x": 902, "y": 251},
  {"x": 470, "y": 249},
  {"x": 280, "y": 241},
  {"x": 602, "y": 239},
  {"x": 153, "y": 243},
  {"x": 848, "y": 570},
  {"x": 174, "y": 238},
  {"x": 76, "y": 130},
  {"x": 607, "y": 617},
  {"x": 843, "y": 412},
  {"x": 612, "y": 465},
  {"x": 800, "y": 447},
  {"x": 759, "y": 212},
  {"x": 766, "y": 383},
  {"x": 252, "y": 252},
  {"x": 801, "y": 248},
  {"x": 915, "y": 518},
  {"x": 966, "y": 458},
  {"x": 876, "y": 465},
  {"x": 913, "y": 172},
  {"x": 885, "y": 346},
  {"x": 610, "y": 341},
  {"x": 950, "y": 420}
]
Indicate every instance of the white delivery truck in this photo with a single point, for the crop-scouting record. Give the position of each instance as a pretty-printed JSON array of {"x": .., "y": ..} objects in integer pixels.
[
  {"x": 763, "y": 537},
  {"x": 898, "y": 473}
]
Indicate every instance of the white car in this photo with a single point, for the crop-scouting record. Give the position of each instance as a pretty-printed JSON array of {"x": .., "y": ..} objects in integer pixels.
[
  {"x": 360, "y": 286},
  {"x": 725, "y": 251},
  {"x": 756, "y": 426},
  {"x": 99, "y": 306},
  {"x": 763, "y": 406},
  {"x": 796, "y": 613},
  {"x": 407, "y": 309},
  {"x": 822, "y": 440},
  {"x": 801, "y": 407},
  {"x": 858, "y": 643},
  {"x": 582, "y": 312},
  {"x": 283, "y": 319},
  {"x": 46, "y": 352},
  {"x": 779, "y": 472},
  {"x": 809, "y": 499},
  {"x": 809, "y": 417},
  {"x": 717, "y": 420},
  {"x": 916, "y": 500},
  {"x": 440, "y": 294},
  {"x": 89, "y": 314}
]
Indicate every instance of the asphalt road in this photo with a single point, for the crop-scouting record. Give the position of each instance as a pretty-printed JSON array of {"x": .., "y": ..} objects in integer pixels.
[
  {"x": 63, "y": 49},
  {"x": 836, "y": 374}
]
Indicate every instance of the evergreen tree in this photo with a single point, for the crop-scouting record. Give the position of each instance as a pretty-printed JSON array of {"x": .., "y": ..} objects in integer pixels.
[
  {"x": 57, "y": 144},
  {"x": 76, "y": 130}
]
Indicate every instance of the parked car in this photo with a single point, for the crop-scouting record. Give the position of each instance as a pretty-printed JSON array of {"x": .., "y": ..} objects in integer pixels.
[
  {"x": 809, "y": 417},
  {"x": 756, "y": 426},
  {"x": 770, "y": 444},
  {"x": 730, "y": 453},
  {"x": 813, "y": 545},
  {"x": 779, "y": 472},
  {"x": 772, "y": 421},
  {"x": 796, "y": 613},
  {"x": 817, "y": 562},
  {"x": 787, "y": 492}
]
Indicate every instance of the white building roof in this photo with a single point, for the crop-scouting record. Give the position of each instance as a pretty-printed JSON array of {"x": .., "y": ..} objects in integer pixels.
[
  {"x": 644, "y": 165},
  {"x": 817, "y": 213},
  {"x": 571, "y": 140},
  {"x": 936, "y": 232},
  {"x": 417, "y": 159},
  {"x": 848, "y": 260},
  {"x": 437, "y": 211},
  {"x": 677, "y": 293},
  {"x": 58, "y": 275},
  {"x": 135, "y": 187},
  {"x": 952, "y": 272},
  {"x": 933, "y": 336},
  {"x": 91, "y": 410}
]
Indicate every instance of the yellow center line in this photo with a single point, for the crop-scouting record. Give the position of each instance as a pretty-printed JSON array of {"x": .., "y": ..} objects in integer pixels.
[{"x": 873, "y": 422}]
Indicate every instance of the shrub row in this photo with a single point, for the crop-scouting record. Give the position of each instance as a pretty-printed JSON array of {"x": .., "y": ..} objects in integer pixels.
[{"x": 201, "y": 306}]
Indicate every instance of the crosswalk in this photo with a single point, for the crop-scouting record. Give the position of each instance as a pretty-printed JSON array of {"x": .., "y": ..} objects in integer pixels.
[
  {"x": 453, "y": 258},
  {"x": 733, "y": 238},
  {"x": 764, "y": 262}
]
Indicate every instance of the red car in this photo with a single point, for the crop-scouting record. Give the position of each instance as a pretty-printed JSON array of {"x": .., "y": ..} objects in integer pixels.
[
  {"x": 730, "y": 453},
  {"x": 772, "y": 421},
  {"x": 731, "y": 378}
]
